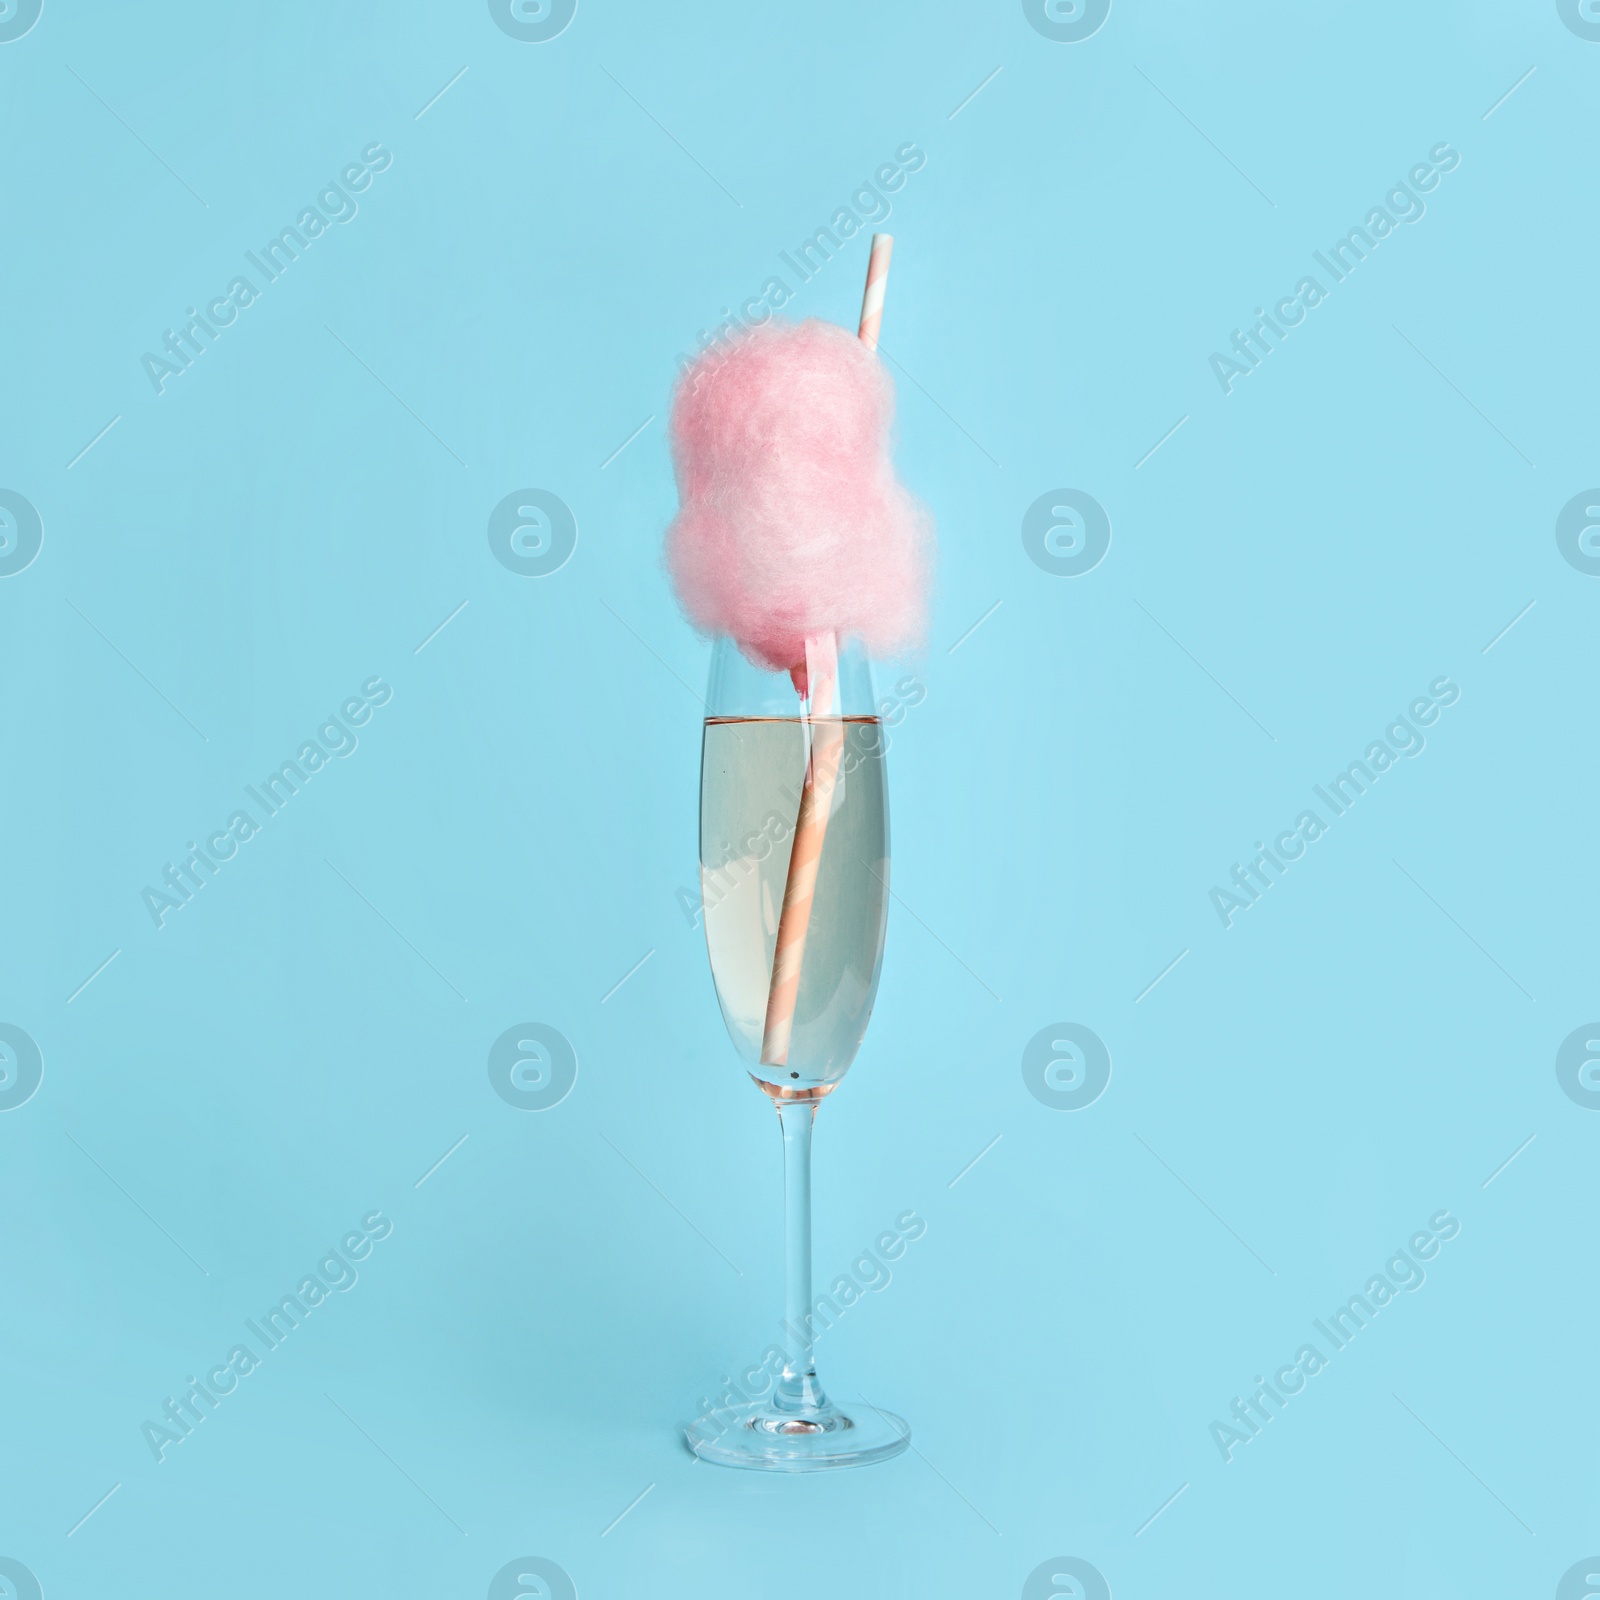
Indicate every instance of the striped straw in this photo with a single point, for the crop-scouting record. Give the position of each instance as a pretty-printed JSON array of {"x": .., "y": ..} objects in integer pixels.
[
  {"x": 822, "y": 770},
  {"x": 877, "y": 282},
  {"x": 805, "y": 855},
  {"x": 821, "y": 776}
]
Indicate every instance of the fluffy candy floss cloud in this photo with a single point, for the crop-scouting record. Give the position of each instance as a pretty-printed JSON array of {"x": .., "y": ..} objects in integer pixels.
[{"x": 791, "y": 522}]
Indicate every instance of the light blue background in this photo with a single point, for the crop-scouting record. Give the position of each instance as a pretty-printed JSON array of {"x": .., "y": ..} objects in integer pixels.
[{"x": 1288, "y": 570}]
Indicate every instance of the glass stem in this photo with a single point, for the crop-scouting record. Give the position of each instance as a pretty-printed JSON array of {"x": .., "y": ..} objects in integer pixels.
[{"x": 798, "y": 1390}]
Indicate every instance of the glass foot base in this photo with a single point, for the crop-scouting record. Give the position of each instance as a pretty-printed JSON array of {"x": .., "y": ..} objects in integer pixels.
[{"x": 806, "y": 1441}]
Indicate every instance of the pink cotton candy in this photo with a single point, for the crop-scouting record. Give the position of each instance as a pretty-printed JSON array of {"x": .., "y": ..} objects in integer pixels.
[{"x": 791, "y": 521}]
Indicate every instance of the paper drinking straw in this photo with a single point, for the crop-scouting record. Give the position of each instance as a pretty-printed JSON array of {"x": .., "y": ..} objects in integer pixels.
[
  {"x": 805, "y": 856},
  {"x": 822, "y": 770},
  {"x": 877, "y": 282}
]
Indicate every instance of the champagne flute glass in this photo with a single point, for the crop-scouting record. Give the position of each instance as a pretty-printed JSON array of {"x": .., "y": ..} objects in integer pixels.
[{"x": 768, "y": 752}]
